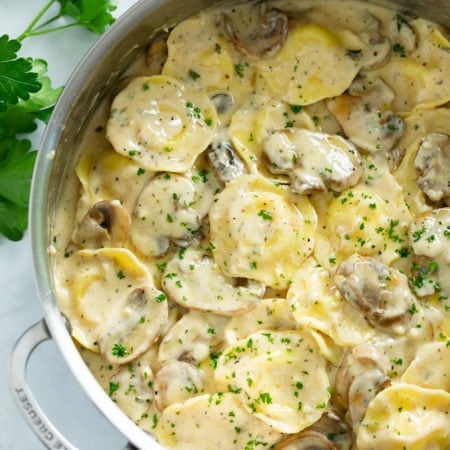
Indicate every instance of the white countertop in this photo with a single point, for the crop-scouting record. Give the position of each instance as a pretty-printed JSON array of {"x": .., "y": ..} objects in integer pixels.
[{"x": 56, "y": 390}]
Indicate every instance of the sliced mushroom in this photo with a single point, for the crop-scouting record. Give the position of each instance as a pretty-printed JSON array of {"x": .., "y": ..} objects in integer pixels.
[
  {"x": 223, "y": 102},
  {"x": 261, "y": 37},
  {"x": 169, "y": 209},
  {"x": 432, "y": 162},
  {"x": 429, "y": 238},
  {"x": 380, "y": 291},
  {"x": 225, "y": 161},
  {"x": 314, "y": 161},
  {"x": 105, "y": 225},
  {"x": 139, "y": 325},
  {"x": 330, "y": 432},
  {"x": 365, "y": 116},
  {"x": 335, "y": 428},
  {"x": 156, "y": 55},
  {"x": 192, "y": 338},
  {"x": 195, "y": 281},
  {"x": 362, "y": 391},
  {"x": 175, "y": 382},
  {"x": 357, "y": 362},
  {"x": 306, "y": 440}
]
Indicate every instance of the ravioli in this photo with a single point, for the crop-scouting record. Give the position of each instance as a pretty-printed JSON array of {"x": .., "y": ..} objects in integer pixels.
[
  {"x": 305, "y": 69},
  {"x": 421, "y": 84},
  {"x": 406, "y": 415},
  {"x": 254, "y": 222},
  {"x": 254, "y": 369},
  {"x": 161, "y": 123}
]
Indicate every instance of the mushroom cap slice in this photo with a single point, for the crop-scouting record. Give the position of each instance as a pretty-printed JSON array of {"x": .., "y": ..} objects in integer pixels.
[
  {"x": 363, "y": 389},
  {"x": 405, "y": 415},
  {"x": 161, "y": 123},
  {"x": 306, "y": 440},
  {"x": 262, "y": 37},
  {"x": 225, "y": 161},
  {"x": 196, "y": 282},
  {"x": 105, "y": 225},
  {"x": 330, "y": 432},
  {"x": 254, "y": 228},
  {"x": 314, "y": 161},
  {"x": 175, "y": 382},
  {"x": 255, "y": 369},
  {"x": 137, "y": 326},
  {"x": 215, "y": 421},
  {"x": 357, "y": 362},
  {"x": 192, "y": 338},
  {"x": 380, "y": 291},
  {"x": 432, "y": 162}
]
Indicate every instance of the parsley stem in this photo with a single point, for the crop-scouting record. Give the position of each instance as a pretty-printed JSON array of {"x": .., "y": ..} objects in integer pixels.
[
  {"x": 29, "y": 29},
  {"x": 50, "y": 30}
]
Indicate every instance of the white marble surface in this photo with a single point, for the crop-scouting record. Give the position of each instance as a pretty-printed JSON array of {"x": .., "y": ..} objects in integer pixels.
[{"x": 55, "y": 388}]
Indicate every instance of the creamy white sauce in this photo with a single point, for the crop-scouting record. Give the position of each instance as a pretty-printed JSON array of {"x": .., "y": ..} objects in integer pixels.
[{"x": 291, "y": 288}]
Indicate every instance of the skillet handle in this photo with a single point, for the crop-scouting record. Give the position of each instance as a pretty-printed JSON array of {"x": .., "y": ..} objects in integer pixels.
[{"x": 28, "y": 406}]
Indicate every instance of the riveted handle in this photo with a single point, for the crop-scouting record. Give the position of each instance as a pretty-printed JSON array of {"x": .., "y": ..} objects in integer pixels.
[{"x": 42, "y": 426}]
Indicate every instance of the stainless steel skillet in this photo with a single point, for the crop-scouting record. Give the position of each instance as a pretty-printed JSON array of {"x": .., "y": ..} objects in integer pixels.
[{"x": 96, "y": 76}]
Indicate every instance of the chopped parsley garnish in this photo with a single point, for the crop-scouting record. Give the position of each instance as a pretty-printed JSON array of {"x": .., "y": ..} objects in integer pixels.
[
  {"x": 193, "y": 74},
  {"x": 119, "y": 350},
  {"x": 264, "y": 214},
  {"x": 399, "y": 49}
]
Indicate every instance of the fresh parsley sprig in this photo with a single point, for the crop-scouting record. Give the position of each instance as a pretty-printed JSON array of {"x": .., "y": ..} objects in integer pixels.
[{"x": 27, "y": 97}]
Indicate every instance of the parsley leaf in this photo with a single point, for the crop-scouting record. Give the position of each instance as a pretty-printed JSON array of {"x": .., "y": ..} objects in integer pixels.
[
  {"x": 13, "y": 220},
  {"x": 26, "y": 97},
  {"x": 95, "y": 15},
  {"x": 17, "y": 80},
  {"x": 15, "y": 172}
]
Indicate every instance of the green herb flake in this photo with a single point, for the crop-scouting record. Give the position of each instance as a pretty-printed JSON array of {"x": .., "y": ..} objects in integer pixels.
[
  {"x": 160, "y": 298},
  {"x": 239, "y": 69},
  {"x": 119, "y": 350},
  {"x": 193, "y": 74},
  {"x": 264, "y": 214},
  {"x": 399, "y": 49},
  {"x": 120, "y": 275},
  {"x": 295, "y": 108},
  {"x": 113, "y": 387}
]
